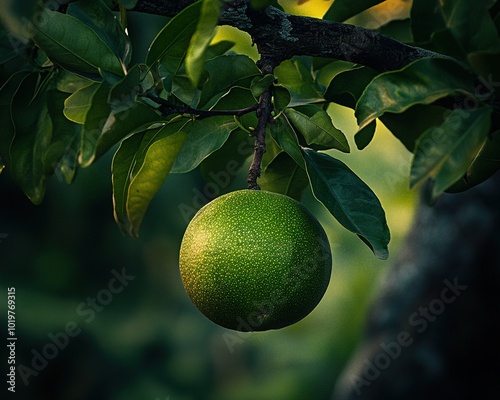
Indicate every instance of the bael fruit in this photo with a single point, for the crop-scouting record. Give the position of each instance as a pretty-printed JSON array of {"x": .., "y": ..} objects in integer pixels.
[{"x": 255, "y": 260}]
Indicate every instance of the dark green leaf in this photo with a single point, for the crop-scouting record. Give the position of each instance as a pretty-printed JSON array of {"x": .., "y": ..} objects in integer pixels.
[
  {"x": 120, "y": 125},
  {"x": 170, "y": 46},
  {"x": 347, "y": 86},
  {"x": 281, "y": 98},
  {"x": 317, "y": 128},
  {"x": 286, "y": 139},
  {"x": 409, "y": 125},
  {"x": 82, "y": 51},
  {"x": 121, "y": 169},
  {"x": 202, "y": 36},
  {"x": 445, "y": 152},
  {"x": 467, "y": 22},
  {"x": 225, "y": 72},
  {"x": 349, "y": 200},
  {"x": 97, "y": 16},
  {"x": 64, "y": 135},
  {"x": 396, "y": 91},
  {"x": 261, "y": 84},
  {"x": 365, "y": 135},
  {"x": 486, "y": 163},
  {"x": 96, "y": 118},
  {"x": 203, "y": 137},
  {"x": 7, "y": 93},
  {"x": 284, "y": 176},
  {"x": 341, "y": 10},
  {"x": 239, "y": 98},
  {"x": 123, "y": 95},
  {"x": 32, "y": 136}
]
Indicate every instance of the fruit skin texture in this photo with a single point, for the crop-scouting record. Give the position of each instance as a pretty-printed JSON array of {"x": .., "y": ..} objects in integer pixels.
[{"x": 253, "y": 260}]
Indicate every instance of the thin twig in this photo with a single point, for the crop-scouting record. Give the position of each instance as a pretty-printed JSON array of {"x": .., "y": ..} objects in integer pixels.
[
  {"x": 168, "y": 108},
  {"x": 264, "y": 114}
]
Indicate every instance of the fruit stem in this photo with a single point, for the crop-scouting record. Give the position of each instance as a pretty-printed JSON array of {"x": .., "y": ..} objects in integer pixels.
[{"x": 264, "y": 116}]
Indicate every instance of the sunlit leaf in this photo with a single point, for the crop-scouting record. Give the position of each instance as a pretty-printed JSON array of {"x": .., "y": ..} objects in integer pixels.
[
  {"x": 297, "y": 78},
  {"x": 154, "y": 169},
  {"x": 203, "y": 137},
  {"x": 202, "y": 36},
  {"x": 78, "y": 104},
  {"x": 170, "y": 46},
  {"x": 317, "y": 127}
]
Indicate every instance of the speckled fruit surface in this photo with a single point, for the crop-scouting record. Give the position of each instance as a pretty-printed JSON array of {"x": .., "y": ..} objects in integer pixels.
[{"x": 253, "y": 260}]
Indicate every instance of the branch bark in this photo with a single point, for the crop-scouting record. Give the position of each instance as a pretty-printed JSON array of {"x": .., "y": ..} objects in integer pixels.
[{"x": 281, "y": 36}]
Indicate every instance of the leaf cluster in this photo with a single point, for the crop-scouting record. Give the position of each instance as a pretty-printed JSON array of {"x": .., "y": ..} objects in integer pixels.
[{"x": 69, "y": 93}]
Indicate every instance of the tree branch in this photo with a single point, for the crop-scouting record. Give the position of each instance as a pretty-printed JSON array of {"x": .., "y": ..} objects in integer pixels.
[
  {"x": 266, "y": 66},
  {"x": 168, "y": 108},
  {"x": 280, "y": 36}
]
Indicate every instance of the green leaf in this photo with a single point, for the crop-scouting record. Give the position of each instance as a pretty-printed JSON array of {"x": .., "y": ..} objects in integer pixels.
[
  {"x": 33, "y": 131},
  {"x": 170, "y": 46},
  {"x": 365, "y": 135},
  {"x": 121, "y": 169},
  {"x": 464, "y": 24},
  {"x": 317, "y": 128},
  {"x": 118, "y": 126},
  {"x": 78, "y": 104},
  {"x": 68, "y": 82},
  {"x": 238, "y": 98},
  {"x": 96, "y": 118},
  {"x": 284, "y": 176},
  {"x": 202, "y": 36},
  {"x": 154, "y": 169},
  {"x": 409, "y": 125},
  {"x": 203, "y": 137},
  {"x": 285, "y": 137},
  {"x": 60, "y": 153},
  {"x": 123, "y": 95},
  {"x": 261, "y": 84},
  {"x": 7, "y": 93},
  {"x": 445, "y": 152},
  {"x": 347, "y": 86},
  {"x": 224, "y": 73},
  {"x": 97, "y": 16},
  {"x": 299, "y": 81},
  {"x": 281, "y": 98},
  {"x": 349, "y": 200},
  {"x": 82, "y": 51},
  {"x": 396, "y": 91},
  {"x": 341, "y": 10},
  {"x": 486, "y": 163}
]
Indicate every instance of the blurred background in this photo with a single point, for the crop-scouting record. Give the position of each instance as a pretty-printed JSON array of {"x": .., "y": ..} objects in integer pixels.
[{"x": 82, "y": 335}]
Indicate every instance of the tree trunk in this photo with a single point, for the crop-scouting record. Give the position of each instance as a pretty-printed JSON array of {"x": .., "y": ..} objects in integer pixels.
[{"x": 431, "y": 332}]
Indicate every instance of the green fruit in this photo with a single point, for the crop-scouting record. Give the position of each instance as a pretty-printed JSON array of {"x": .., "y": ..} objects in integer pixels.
[{"x": 253, "y": 260}]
